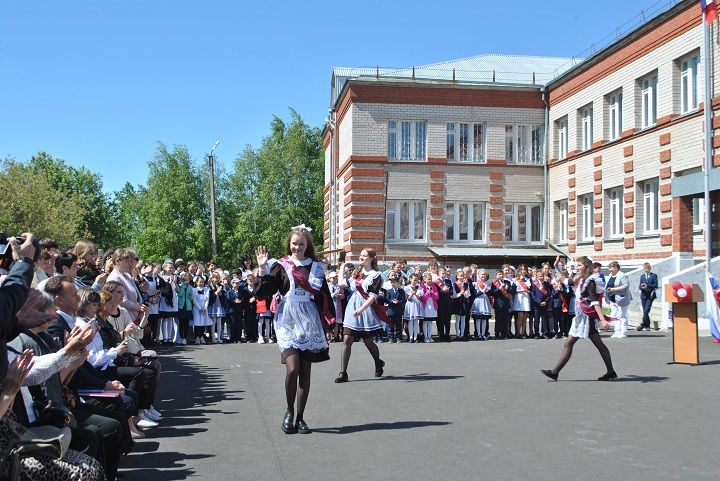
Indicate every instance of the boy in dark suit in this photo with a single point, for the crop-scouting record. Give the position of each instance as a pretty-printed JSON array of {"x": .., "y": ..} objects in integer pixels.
[{"x": 395, "y": 303}]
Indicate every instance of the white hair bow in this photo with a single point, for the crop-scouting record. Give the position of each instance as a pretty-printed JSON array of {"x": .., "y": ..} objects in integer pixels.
[{"x": 301, "y": 226}]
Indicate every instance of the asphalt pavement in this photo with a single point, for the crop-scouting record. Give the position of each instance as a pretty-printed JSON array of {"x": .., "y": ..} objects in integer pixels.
[{"x": 458, "y": 411}]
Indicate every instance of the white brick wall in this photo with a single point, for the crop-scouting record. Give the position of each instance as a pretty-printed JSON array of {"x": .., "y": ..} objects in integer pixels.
[
  {"x": 370, "y": 125},
  {"x": 661, "y": 59}
]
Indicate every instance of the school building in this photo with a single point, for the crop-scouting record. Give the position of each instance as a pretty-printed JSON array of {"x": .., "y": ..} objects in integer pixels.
[{"x": 500, "y": 158}]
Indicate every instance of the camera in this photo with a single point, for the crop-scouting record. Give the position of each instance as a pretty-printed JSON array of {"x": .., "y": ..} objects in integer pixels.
[{"x": 6, "y": 250}]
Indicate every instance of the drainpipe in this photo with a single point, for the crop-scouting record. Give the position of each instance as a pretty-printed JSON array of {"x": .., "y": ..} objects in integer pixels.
[{"x": 546, "y": 235}]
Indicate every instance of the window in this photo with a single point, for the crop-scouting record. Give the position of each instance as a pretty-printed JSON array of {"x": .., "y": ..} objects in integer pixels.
[
  {"x": 688, "y": 84},
  {"x": 524, "y": 144},
  {"x": 465, "y": 222},
  {"x": 651, "y": 206},
  {"x": 615, "y": 214},
  {"x": 469, "y": 143},
  {"x": 405, "y": 221},
  {"x": 523, "y": 222},
  {"x": 408, "y": 143},
  {"x": 562, "y": 227},
  {"x": 586, "y": 217},
  {"x": 615, "y": 115},
  {"x": 561, "y": 126},
  {"x": 648, "y": 95},
  {"x": 698, "y": 213},
  {"x": 586, "y": 131}
]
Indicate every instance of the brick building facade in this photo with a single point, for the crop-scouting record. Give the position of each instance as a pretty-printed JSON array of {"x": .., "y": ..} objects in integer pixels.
[{"x": 591, "y": 156}]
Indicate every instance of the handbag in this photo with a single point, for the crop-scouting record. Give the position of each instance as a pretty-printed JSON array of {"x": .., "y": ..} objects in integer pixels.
[
  {"x": 39, "y": 441},
  {"x": 58, "y": 416}
]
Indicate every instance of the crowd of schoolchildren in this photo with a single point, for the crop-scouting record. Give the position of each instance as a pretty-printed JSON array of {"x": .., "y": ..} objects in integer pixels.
[
  {"x": 219, "y": 306},
  {"x": 524, "y": 302}
]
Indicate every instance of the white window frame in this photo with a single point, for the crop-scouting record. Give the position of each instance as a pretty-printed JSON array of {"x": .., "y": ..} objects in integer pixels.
[
  {"x": 651, "y": 206},
  {"x": 452, "y": 214},
  {"x": 689, "y": 84},
  {"x": 524, "y": 144},
  {"x": 529, "y": 219},
  {"x": 394, "y": 207},
  {"x": 615, "y": 115},
  {"x": 562, "y": 221},
  {"x": 562, "y": 130},
  {"x": 585, "y": 214},
  {"x": 648, "y": 101},
  {"x": 471, "y": 154},
  {"x": 406, "y": 147},
  {"x": 615, "y": 214},
  {"x": 698, "y": 214},
  {"x": 586, "y": 115}
]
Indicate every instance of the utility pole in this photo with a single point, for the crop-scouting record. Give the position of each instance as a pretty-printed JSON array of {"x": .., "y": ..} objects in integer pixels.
[{"x": 211, "y": 162}]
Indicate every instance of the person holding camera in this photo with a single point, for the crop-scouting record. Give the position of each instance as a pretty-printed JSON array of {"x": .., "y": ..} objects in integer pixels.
[{"x": 14, "y": 290}]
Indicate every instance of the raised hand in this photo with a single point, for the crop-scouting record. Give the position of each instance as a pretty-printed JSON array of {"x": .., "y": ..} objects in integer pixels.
[
  {"x": 17, "y": 372},
  {"x": 27, "y": 249},
  {"x": 78, "y": 339},
  {"x": 261, "y": 255}
]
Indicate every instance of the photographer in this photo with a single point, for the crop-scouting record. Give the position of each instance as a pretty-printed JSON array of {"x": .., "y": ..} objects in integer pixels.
[{"x": 14, "y": 292}]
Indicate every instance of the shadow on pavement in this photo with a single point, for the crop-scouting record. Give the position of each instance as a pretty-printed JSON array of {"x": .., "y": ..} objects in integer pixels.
[
  {"x": 380, "y": 427},
  {"x": 184, "y": 394},
  {"x": 424, "y": 376},
  {"x": 629, "y": 378}
]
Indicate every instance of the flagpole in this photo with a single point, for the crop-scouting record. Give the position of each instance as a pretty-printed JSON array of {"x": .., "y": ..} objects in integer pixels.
[{"x": 708, "y": 141}]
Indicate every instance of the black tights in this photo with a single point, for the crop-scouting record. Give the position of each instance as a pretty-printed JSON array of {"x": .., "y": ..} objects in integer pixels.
[
  {"x": 568, "y": 349},
  {"x": 347, "y": 350},
  {"x": 297, "y": 383}
]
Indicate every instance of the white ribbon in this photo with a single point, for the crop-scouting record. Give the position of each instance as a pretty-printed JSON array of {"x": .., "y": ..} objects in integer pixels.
[{"x": 301, "y": 226}]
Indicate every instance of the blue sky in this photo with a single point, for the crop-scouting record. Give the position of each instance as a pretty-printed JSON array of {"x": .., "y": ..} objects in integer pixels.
[{"x": 99, "y": 83}]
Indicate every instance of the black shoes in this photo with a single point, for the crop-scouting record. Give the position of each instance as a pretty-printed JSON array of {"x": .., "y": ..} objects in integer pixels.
[
  {"x": 287, "y": 425},
  {"x": 549, "y": 374},
  {"x": 301, "y": 427},
  {"x": 378, "y": 368},
  {"x": 608, "y": 376},
  {"x": 641, "y": 328},
  {"x": 342, "y": 377}
]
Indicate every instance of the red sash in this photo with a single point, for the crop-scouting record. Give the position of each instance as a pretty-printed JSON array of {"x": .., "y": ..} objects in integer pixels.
[
  {"x": 301, "y": 280},
  {"x": 379, "y": 310},
  {"x": 498, "y": 285},
  {"x": 523, "y": 284},
  {"x": 540, "y": 287},
  {"x": 563, "y": 297}
]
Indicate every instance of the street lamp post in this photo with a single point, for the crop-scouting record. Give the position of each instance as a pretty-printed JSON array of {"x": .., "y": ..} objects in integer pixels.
[{"x": 211, "y": 162}]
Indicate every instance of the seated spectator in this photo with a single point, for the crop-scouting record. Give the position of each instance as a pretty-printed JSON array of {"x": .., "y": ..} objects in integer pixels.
[{"x": 97, "y": 436}]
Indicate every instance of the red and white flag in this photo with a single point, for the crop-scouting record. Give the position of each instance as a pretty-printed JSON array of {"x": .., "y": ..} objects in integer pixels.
[{"x": 709, "y": 8}]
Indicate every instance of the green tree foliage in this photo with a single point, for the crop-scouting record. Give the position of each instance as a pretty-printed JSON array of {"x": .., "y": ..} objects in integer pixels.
[
  {"x": 86, "y": 188},
  {"x": 274, "y": 188},
  {"x": 268, "y": 190},
  {"x": 173, "y": 210},
  {"x": 126, "y": 207},
  {"x": 31, "y": 203}
]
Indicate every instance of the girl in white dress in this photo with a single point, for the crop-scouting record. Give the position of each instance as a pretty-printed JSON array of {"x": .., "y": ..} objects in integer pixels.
[
  {"x": 363, "y": 314},
  {"x": 201, "y": 319},
  {"x": 481, "y": 309},
  {"x": 303, "y": 314},
  {"x": 521, "y": 302},
  {"x": 413, "y": 307},
  {"x": 429, "y": 301},
  {"x": 584, "y": 325}
]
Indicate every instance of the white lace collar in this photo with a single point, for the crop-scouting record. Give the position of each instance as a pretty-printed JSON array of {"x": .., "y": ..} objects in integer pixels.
[{"x": 305, "y": 262}]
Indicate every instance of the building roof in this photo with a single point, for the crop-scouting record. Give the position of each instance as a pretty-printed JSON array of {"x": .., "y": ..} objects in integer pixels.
[{"x": 486, "y": 68}]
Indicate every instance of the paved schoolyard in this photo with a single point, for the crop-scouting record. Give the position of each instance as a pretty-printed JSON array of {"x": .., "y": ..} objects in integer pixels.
[{"x": 476, "y": 410}]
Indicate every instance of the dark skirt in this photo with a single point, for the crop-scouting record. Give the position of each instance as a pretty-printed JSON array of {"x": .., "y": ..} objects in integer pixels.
[
  {"x": 363, "y": 334},
  {"x": 309, "y": 356},
  {"x": 167, "y": 314}
]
